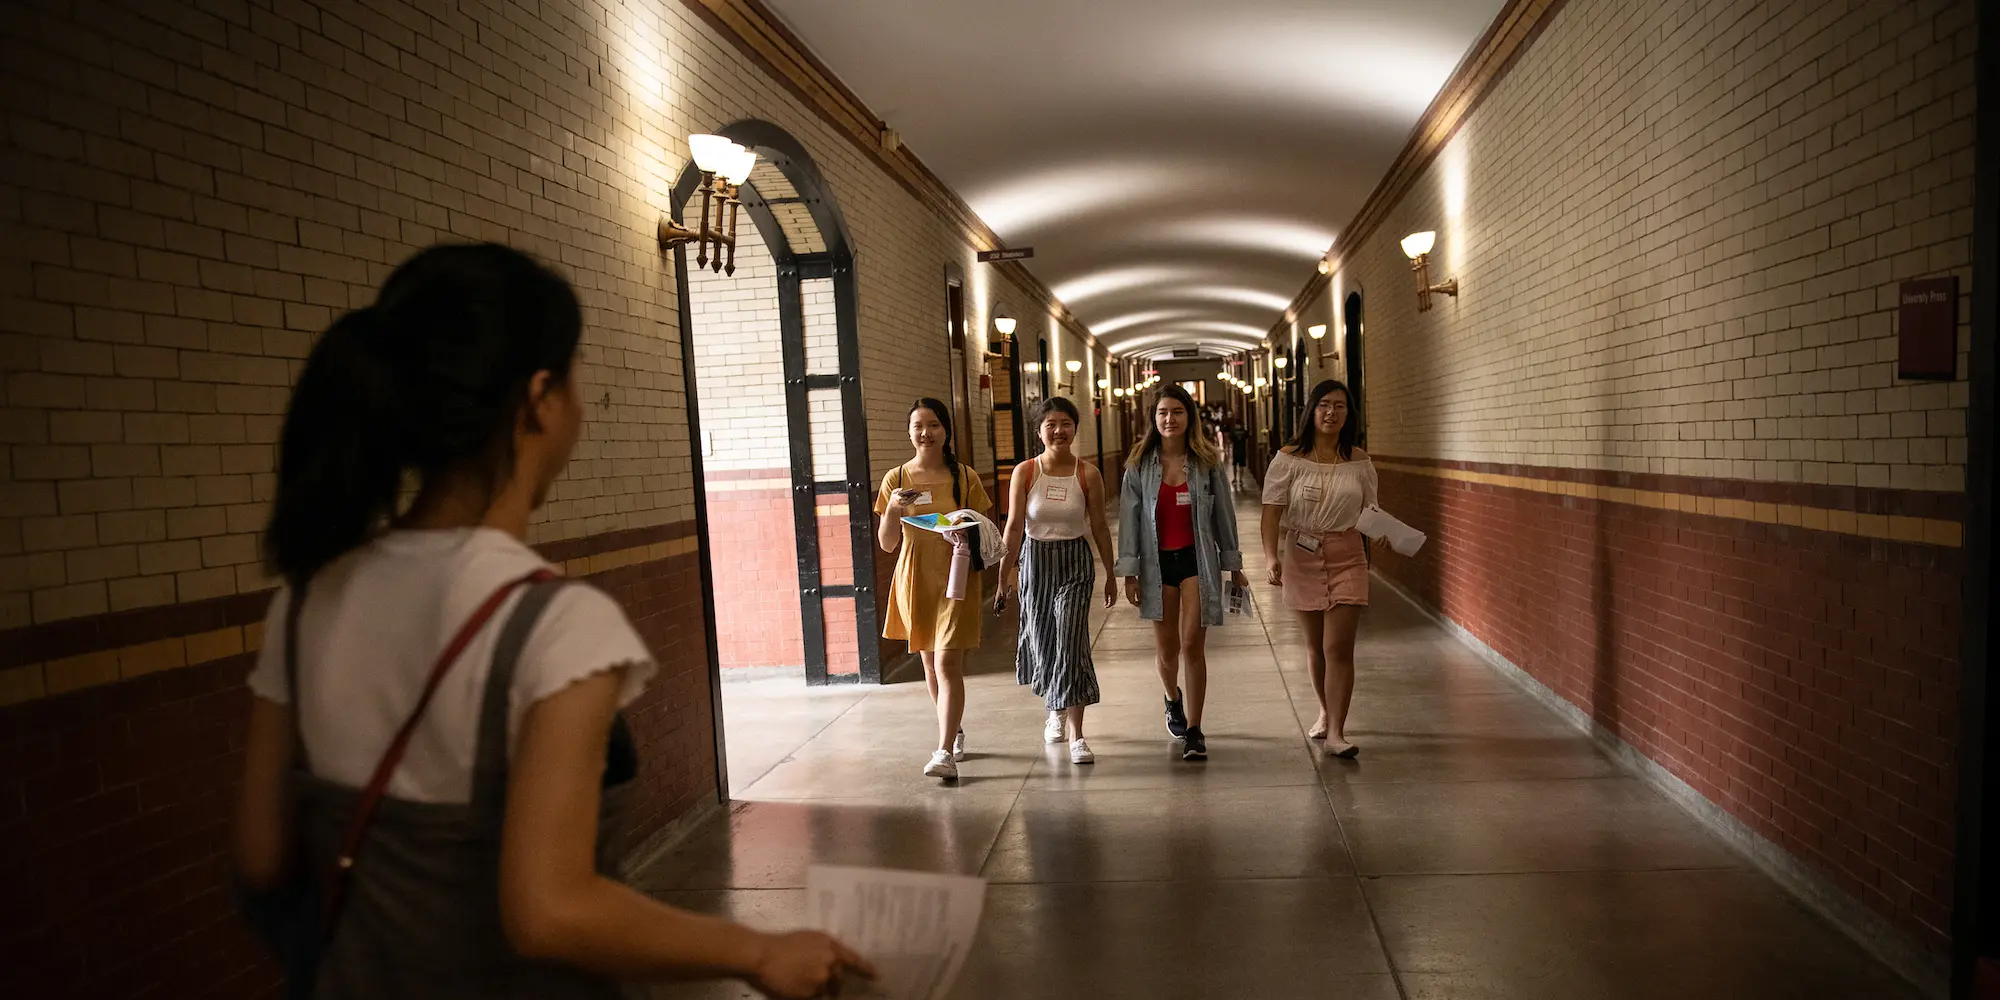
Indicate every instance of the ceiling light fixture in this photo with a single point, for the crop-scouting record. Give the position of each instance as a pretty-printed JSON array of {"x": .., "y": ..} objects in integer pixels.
[
  {"x": 1417, "y": 247},
  {"x": 724, "y": 166}
]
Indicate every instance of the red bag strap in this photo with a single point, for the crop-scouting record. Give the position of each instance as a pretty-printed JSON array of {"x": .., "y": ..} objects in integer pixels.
[{"x": 378, "y": 785}]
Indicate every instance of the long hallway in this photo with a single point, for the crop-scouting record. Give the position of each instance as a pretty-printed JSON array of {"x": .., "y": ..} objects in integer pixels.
[{"x": 1478, "y": 849}]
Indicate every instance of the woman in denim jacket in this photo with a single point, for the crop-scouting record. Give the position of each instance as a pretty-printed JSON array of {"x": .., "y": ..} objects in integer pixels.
[{"x": 1176, "y": 536}]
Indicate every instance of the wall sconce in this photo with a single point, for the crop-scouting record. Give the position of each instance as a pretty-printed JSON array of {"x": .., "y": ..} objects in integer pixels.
[
  {"x": 1072, "y": 366},
  {"x": 1103, "y": 383},
  {"x": 1417, "y": 247},
  {"x": 1325, "y": 266},
  {"x": 1278, "y": 365},
  {"x": 1004, "y": 324},
  {"x": 718, "y": 159},
  {"x": 1317, "y": 332}
]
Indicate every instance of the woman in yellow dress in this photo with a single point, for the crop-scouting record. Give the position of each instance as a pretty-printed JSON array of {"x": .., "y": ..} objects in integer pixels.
[{"x": 940, "y": 629}]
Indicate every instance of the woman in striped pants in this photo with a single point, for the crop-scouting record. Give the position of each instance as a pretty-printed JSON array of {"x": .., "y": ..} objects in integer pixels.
[{"x": 1058, "y": 504}]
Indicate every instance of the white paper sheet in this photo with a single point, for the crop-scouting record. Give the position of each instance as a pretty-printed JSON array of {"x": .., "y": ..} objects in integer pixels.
[
  {"x": 1238, "y": 604},
  {"x": 915, "y": 927},
  {"x": 1377, "y": 523}
]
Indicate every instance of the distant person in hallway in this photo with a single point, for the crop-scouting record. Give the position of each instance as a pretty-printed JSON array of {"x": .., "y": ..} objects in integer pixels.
[
  {"x": 1314, "y": 492},
  {"x": 488, "y": 868},
  {"x": 1057, "y": 503},
  {"x": 1239, "y": 451},
  {"x": 940, "y": 629},
  {"x": 1176, "y": 537}
]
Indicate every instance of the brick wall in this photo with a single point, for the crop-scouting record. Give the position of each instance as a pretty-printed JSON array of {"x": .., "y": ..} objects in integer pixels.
[
  {"x": 115, "y": 798},
  {"x": 1658, "y": 440},
  {"x": 755, "y": 569},
  {"x": 189, "y": 193}
]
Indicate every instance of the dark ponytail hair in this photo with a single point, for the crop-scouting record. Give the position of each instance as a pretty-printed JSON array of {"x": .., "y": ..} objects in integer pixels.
[
  {"x": 943, "y": 415},
  {"x": 429, "y": 380},
  {"x": 1308, "y": 435}
]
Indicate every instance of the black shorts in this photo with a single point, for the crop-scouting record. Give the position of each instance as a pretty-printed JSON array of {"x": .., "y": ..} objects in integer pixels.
[
  {"x": 1177, "y": 566},
  {"x": 1241, "y": 456}
]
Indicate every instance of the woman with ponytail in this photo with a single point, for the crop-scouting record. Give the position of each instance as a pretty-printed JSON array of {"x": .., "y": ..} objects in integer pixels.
[
  {"x": 435, "y": 754},
  {"x": 937, "y": 627}
]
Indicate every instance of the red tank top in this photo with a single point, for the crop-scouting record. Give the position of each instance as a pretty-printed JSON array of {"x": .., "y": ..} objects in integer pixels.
[{"x": 1175, "y": 516}]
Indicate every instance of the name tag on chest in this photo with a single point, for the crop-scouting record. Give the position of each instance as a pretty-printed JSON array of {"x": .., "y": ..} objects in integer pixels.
[
  {"x": 1312, "y": 493},
  {"x": 923, "y": 498},
  {"x": 1184, "y": 499},
  {"x": 1057, "y": 493}
]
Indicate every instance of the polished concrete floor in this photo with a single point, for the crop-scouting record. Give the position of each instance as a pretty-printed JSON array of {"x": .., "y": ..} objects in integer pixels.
[{"x": 1478, "y": 849}]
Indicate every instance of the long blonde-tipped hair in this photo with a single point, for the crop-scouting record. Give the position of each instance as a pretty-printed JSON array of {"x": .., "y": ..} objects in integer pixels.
[{"x": 1199, "y": 443}]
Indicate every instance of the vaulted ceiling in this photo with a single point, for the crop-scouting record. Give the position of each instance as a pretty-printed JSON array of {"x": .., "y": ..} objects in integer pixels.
[{"x": 1178, "y": 166}]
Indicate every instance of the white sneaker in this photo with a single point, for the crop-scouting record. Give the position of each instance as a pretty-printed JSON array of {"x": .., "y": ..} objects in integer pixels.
[
  {"x": 941, "y": 765},
  {"x": 1053, "y": 732},
  {"x": 958, "y": 746},
  {"x": 1079, "y": 752}
]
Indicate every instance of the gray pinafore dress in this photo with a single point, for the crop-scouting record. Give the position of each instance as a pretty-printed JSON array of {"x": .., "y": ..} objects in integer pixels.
[{"x": 422, "y": 911}]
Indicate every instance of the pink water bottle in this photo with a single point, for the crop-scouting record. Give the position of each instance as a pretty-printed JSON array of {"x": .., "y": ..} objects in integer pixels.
[{"x": 961, "y": 568}]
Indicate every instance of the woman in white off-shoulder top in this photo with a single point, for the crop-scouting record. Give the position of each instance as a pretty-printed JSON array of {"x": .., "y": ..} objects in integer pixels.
[{"x": 1314, "y": 493}]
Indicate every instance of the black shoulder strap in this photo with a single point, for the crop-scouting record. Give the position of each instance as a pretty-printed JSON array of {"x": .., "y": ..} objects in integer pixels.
[{"x": 489, "y": 762}]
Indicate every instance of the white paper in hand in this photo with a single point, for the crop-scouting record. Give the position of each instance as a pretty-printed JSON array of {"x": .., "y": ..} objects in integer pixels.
[
  {"x": 1377, "y": 523},
  {"x": 1238, "y": 604},
  {"x": 915, "y": 927}
]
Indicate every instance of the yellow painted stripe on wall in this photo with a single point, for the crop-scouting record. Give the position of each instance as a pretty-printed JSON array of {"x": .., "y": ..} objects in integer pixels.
[
  {"x": 1922, "y": 530},
  {"x": 74, "y": 673}
]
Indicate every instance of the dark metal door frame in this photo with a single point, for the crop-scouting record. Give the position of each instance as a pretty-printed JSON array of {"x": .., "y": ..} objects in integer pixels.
[
  {"x": 1351, "y": 346},
  {"x": 835, "y": 263},
  {"x": 1975, "y": 945}
]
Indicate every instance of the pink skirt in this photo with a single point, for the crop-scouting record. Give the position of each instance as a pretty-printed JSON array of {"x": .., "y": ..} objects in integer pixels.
[{"x": 1335, "y": 575}]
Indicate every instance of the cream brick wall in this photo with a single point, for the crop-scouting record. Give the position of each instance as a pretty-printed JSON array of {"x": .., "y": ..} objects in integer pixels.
[
  {"x": 1678, "y": 229},
  {"x": 191, "y": 192},
  {"x": 739, "y": 361}
]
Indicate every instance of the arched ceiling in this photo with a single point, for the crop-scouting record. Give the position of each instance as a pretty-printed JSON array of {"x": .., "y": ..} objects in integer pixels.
[{"x": 1177, "y": 165}]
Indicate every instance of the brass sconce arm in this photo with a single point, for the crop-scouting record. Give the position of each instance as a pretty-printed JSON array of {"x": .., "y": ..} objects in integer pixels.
[{"x": 1425, "y": 289}]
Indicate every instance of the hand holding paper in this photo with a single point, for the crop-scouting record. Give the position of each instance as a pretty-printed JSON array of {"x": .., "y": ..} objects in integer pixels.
[
  {"x": 915, "y": 927},
  {"x": 1377, "y": 523}
]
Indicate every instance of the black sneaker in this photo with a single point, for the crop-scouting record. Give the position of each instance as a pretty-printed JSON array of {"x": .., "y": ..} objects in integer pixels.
[
  {"x": 1195, "y": 747},
  {"x": 1177, "y": 726}
]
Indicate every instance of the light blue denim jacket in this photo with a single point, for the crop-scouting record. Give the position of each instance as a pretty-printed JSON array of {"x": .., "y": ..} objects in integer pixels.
[{"x": 1215, "y": 547}]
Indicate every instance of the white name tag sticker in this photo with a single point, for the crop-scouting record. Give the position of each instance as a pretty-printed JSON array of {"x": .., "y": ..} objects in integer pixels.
[
  {"x": 1057, "y": 493},
  {"x": 1184, "y": 499},
  {"x": 1310, "y": 543},
  {"x": 1312, "y": 494},
  {"x": 923, "y": 498}
]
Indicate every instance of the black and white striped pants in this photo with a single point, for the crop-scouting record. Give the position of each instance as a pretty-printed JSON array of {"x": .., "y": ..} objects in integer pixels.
[{"x": 1053, "y": 657}]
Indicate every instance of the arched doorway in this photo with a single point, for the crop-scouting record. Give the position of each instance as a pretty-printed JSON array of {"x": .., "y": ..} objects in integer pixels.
[
  {"x": 779, "y": 435},
  {"x": 1351, "y": 346}
]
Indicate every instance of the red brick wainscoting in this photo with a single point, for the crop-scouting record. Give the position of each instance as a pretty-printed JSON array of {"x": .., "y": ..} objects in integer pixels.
[
  {"x": 120, "y": 745},
  {"x": 1788, "y": 651},
  {"x": 756, "y": 568}
]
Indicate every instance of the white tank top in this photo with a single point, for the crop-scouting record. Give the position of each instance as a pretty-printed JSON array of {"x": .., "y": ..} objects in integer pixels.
[{"x": 1056, "y": 509}]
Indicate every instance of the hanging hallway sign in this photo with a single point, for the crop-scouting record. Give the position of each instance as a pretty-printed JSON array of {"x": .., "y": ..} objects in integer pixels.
[{"x": 1020, "y": 253}]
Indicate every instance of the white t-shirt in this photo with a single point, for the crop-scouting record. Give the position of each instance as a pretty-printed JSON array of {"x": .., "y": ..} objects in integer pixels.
[{"x": 373, "y": 626}]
